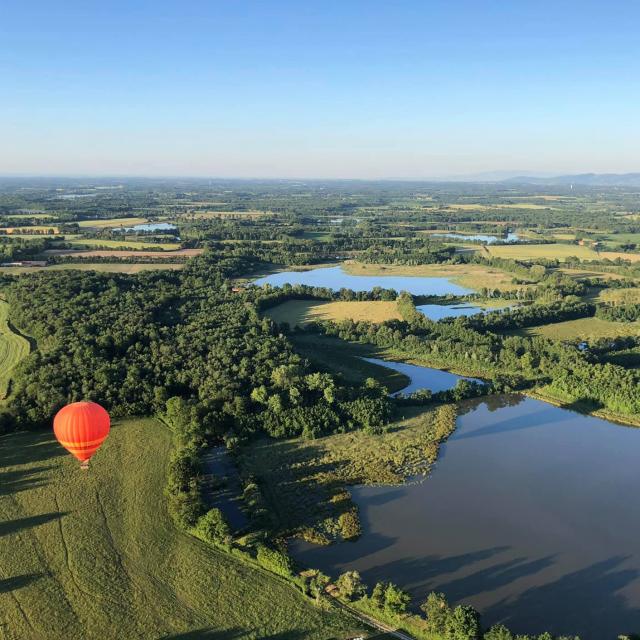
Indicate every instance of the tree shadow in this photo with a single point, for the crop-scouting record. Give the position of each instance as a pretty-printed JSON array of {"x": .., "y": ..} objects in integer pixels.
[
  {"x": 493, "y": 577},
  {"x": 22, "y": 479},
  {"x": 17, "y": 582},
  {"x": 517, "y": 423},
  {"x": 583, "y": 602},
  {"x": 12, "y": 526}
]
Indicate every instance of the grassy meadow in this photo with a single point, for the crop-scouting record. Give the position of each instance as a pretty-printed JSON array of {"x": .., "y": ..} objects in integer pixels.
[
  {"x": 345, "y": 358},
  {"x": 13, "y": 348},
  {"x": 95, "y": 555},
  {"x": 549, "y": 251},
  {"x": 583, "y": 329},
  {"x": 300, "y": 312}
]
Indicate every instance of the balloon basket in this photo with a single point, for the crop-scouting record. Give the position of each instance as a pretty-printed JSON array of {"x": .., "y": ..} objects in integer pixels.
[{"x": 84, "y": 465}]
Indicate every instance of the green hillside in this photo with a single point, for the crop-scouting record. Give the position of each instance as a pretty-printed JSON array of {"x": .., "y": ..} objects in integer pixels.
[{"x": 95, "y": 555}]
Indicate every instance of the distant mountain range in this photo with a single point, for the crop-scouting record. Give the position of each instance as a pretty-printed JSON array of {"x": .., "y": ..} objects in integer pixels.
[{"x": 582, "y": 179}]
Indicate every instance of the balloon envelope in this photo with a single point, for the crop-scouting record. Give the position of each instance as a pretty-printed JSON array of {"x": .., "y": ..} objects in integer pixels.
[{"x": 81, "y": 428}]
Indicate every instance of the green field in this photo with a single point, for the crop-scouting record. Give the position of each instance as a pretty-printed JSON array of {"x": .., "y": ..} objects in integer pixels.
[
  {"x": 13, "y": 348},
  {"x": 583, "y": 329},
  {"x": 124, "y": 244},
  {"x": 550, "y": 251},
  {"x": 95, "y": 555},
  {"x": 299, "y": 312},
  {"x": 106, "y": 267}
]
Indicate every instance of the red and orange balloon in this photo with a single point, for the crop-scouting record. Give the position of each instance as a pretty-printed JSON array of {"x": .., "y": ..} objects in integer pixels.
[{"x": 81, "y": 427}]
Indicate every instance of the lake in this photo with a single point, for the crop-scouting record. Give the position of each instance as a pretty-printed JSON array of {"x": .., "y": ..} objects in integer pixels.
[
  {"x": 530, "y": 515},
  {"x": 479, "y": 237},
  {"x": 336, "y": 278},
  {"x": 421, "y": 377},
  {"x": 440, "y": 311},
  {"x": 150, "y": 226}
]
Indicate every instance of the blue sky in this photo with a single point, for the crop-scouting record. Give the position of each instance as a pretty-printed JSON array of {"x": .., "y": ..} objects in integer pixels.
[{"x": 319, "y": 89}]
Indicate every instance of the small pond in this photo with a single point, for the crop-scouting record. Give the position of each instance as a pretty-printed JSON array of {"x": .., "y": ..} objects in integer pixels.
[
  {"x": 150, "y": 226},
  {"x": 421, "y": 377},
  {"x": 479, "y": 237},
  {"x": 336, "y": 278},
  {"x": 440, "y": 311}
]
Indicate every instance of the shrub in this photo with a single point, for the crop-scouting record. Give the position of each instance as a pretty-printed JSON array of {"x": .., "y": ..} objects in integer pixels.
[
  {"x": 275, "y": 561},
  {"x": 212, "y": 527}
]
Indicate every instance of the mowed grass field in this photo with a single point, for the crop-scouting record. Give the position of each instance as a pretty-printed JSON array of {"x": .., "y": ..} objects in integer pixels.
[
  {"x": 95, "y": 555},
  {"x": 550, "y": 251},
  {"x": 13, "y": 348},
  {"x": 583, "y": 329},
  {"x": 473, "y": 276},
  {"x": 300, "y": 312},
  {"x": 113, "y": 222}
]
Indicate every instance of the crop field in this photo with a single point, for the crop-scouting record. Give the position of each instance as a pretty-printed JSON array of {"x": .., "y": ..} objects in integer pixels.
[
  {"x": 299, "y": 312},
  {"x": 473, "y": 276},
  {"x": 106, "y": 267},
  {"x": 583, "y": 329},
  {"x": 13, "y": 348},
  {"x": 95, "y": 555},
  {"x": 104, "y": 223},
  {"x": 125, "y": 244},
  {"x": 30, "y": 230}
]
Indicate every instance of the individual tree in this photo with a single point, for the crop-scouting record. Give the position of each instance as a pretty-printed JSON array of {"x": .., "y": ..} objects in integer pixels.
[
  {"x": 463, "y": 624},
  {"x": 350, "y": 585},
  {"x": 437, "y": 610},
  {"x": 499, "y": 632},
  {"x": 395, "y": 599},
  {"x": 213, "y": 527}
]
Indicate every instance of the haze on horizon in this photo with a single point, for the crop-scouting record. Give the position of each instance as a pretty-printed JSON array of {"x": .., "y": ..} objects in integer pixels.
[{"x": 330, "y": 90}]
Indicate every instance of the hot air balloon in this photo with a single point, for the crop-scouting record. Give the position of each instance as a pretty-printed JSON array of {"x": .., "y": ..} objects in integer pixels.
[{"x": 81, "y": 427}]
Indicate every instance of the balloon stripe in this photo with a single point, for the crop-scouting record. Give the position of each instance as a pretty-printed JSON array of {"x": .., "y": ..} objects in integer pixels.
[{"x": 81, "y": 443}]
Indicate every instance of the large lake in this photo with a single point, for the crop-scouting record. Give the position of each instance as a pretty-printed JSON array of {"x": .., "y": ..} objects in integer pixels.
[
  {"x": 530, "y": 515},
  {"x": 335, "y": 278}
]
